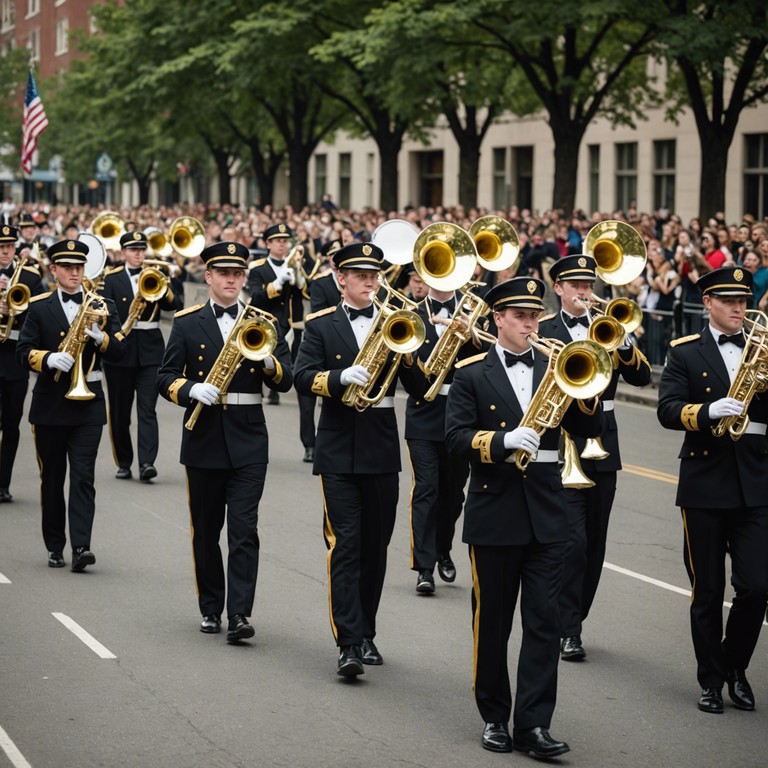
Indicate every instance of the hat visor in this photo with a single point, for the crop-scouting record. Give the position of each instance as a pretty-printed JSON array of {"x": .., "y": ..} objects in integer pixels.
[
  {"x": 727, "y": 292},
  {"x": 284, "y": 236},
  {"x": 225, "y": 262},
  {"x": 137, "y": 244},
  {"x": 518, "y": 304},
  {"x": 69, "y": 259},
  {"x": 360, "y": 264}
]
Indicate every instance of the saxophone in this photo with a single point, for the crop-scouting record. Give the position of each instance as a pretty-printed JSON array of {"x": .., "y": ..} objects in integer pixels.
[{"x": 16, "y": 295}]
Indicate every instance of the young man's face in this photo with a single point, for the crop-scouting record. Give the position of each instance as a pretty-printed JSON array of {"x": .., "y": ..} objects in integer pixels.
[
  {"x": 358, "y": 286},
  {"x": 278, "y": 247},
  {"x": 568, "y": 290},
  {"x": 726, "y": 313},
  {"x": 417, "y": 286},
  {"x": 225, "y": 284},
  {"x": 68, "y": 276},
  {"x": 515, "y": 325},
  {"x": 134, "y": 257},
  {"x": 7, "y": 252}
]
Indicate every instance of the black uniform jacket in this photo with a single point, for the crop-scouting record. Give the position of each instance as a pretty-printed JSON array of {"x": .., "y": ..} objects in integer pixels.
[
  {"x": 323, "y": 292},
  {"x": 10, "y": 369},
  {"x": 348, "y": 442},
  {"x": 44, "y": 329},
  {"x": 286, "y": 305},
  {"x": 715, "y": 473},
  {"x": 222, "y": 438},
  {"x": 504, "y": 505},
  {"x": 631, "y": 365},
  {"x": 143, "y": 347}
]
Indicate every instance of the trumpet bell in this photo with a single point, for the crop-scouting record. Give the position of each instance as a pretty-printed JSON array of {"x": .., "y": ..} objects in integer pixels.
[
  {"x": 594, "y": 449},
  {"x": 17, "y": 298},
  {"x": 153, "y": 284},
  {"x": 626, "y": 313},
  {"x": 496, "y": 241},
  {"x": 618, "y": 250},
  {"x": 158, "y": 243},
  {"x": 444, "y": 256},
  {"x": 571, "y": 472},
  {"x": 583, "y": 369},
  {"x": 257, "y": 339},
  {"x": 403, "y": 331},
  {"x": 109, "y": 228},
  {"x": 187, "y": 236},
  {"x": 396, "y": 239},
  {"x": 607, "y": 332}
]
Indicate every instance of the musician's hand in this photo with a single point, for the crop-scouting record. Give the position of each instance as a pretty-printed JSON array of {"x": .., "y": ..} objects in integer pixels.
[
  {"x": 435, "y": 320},
  {"x": 283, "y": 279},
  {"x": 95, "y": 333},
  {"x": 355, "y": 374},
  {"x": 204, "y": 393},
  {"x": 268, "y": 363},
  {"x": 301, "y": 281},
  {"x": 291, "y": 275},
  {"x": 725, "y": 406},
  {"x": 523, "y": 438},
  {"x": 60, "y": 361}
]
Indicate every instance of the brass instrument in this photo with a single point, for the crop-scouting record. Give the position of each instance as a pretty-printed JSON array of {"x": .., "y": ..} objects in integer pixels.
[
  {"x": 157, "y": 243},
  {"x": 571, "y": 472},
  {"x": 398, "y": 330},
  {"x": 152, "y": 285},
  {"x": 187, "y": 236},
  {"x": 618, "y": 250},
  {"x": 751, "y": 377},
  {"x": 16, "y": 296},
  {"x": 92, "y": 310},
  {"x": 611, "y": 320},
  {"x": 578, "y": 370},
  {"x": 109, "y": 228},
  {"x": 496, "y": 241},
  {"x": 253, "y": 337}
]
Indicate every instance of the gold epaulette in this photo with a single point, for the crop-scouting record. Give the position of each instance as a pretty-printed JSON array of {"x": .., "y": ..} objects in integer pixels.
[
  {"x": 327, "y": 273},
  {"x": 189, "y": 310},
  {"x": 470, "y": 360},
  {"x": 256, "y": 263},
  {"x": 547, "y": 317},
  {"x": 319, "y": 313},
  {"x": 685, "y": 339},
  {"x": 113, "y": 270},
  {"x": 40, "y": 296},
  {"x": 33, "y": 270}
]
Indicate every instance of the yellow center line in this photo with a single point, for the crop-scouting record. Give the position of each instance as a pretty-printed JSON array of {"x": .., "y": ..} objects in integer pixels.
[{"x": 651, "y": 474}]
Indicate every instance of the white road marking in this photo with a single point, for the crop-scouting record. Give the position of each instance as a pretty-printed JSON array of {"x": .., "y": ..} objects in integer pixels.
[
  {"x": 12, "y": 751},
  {"x": 4, "y": 579},
  {"x": 87, "y": 638}
]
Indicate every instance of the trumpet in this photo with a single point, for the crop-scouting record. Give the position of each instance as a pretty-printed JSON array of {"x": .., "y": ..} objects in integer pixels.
[
  {"x": 16, "y": 296},
  {"x": 579, "y": 370},
  {"x": 153, "y": 284},
  {"x": 610, "y": 321},
  {"x": 253, "y": 337}
]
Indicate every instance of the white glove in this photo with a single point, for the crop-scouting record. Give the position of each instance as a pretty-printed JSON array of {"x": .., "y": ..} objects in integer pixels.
[
  {"x": 355, "y": 374},
  {"x": 291, "y": 275},
  {"x": 60, "y": 361},
  {"x": 269, "y": 363},
  {"x": 287, "y": 277},
  {"x": 301, "y": 281},
  {"x": 96, "y": 334},
  {"x": 204, "y": 393},
  {"x": 523, "y": 438},
  {"x": 725, "y": 406}
]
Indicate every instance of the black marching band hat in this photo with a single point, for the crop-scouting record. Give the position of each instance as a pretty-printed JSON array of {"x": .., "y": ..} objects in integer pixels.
[
  {"x": 577, "y": 267},
  {"x": 358, "y": 256},
  {"x": 276, "y": 231},
  {"x": 26, "y": 220},
  {"x": 8, "y": 234},
  {"x": 68, "y": 252},
  {"x": 519, "y": 292},
  {"x": 133, "y": 240},
  {"x": 226, "y": 254},
  {"x": 726, "y": 281},
  {"x": 329, "y": 248}
]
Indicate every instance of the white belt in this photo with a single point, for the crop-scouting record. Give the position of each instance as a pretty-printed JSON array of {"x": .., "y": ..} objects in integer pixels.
[
  {"x": 94, "y": 376},
  {"x": 239, "y": 398},
  {"x": 386, "y": 402},
  {"x": 755, "y": 428},
  {"x": 544, "y": 457},
  {"x": 14, "y": 335},
  {"x": 608, "y": 405},
  {"x": 145, "y": 325},
  {"x": 444, "y": 390}
]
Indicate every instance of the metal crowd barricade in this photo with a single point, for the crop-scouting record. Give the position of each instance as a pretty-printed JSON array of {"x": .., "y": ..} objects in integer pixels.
[{"x": 660, "y": 327}]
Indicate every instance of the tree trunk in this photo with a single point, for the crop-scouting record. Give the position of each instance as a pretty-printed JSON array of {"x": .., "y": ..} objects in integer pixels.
[
  {"x": 567, "y": 143},
  {"x": 143, "y": 190},
  {"x": 221, "y": 159},
  {"x": 469, "y": 167},
  {"x": 298, "y": 181},
  {"x": 714, "y": 163},
  {"x": 389, "y": 145}
]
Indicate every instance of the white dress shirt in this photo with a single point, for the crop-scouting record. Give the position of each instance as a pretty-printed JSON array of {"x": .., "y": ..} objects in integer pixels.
[
  {"x": 520, "y": 377},
  {"x": 361, "y": 324},
  {"x": 730, "y": 353},
  {"x": 70, "y": 308}
]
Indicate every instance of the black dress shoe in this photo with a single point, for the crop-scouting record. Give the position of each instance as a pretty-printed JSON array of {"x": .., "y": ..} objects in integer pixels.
[
  {"x": 55, "y": 560},
  {"x": 147, "y": 472},
  {"x": 273, "y": 398},
  {"x": 571, "y": 649},
  {"x": 425, "y": 583},
  {"x": 496, "y": 737},
  {"x": 445, "y": 568},
  {"x": 537, "y": 742},
  {"x": 124, "y": 473},
  {"x": 309, "y": 455},
  {"x": 711, "y": 701},
  {"x": 371, "y": 653},
  {"x": 211, "y": 624},
  {"x": 239, "y": 629},
  {"x": 350, "y": 661},
  {"x": 5, "y": 496},
  {"x": 82, "y": 557},
  {"x": 739, "y": 689}
]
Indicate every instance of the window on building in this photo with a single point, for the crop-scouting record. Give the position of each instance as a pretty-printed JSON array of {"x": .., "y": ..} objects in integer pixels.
[
  {"x": 430, "y": 178},
  {"x": 664, "y": 163},
  {"x": 7, "y": 14},
  {"x": 756, "y": 175},
  {"x": 62, "y": 36},
  {"x": 33, "y": 7},
  {"x": 369, "y": 170},
  {"x": 345, "y": 179},
  {"x": 522, "y": 173},
  {"x": 594, "y": 177},
  {"x": 500, "y": 188},
  {"x": 321, "y": 177},
  {"x": 33, "y": 44},
  {"x": 626, "y": 175}
]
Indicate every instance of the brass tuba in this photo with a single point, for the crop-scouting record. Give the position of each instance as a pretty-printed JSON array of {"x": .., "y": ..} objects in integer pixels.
[
  {"x": 496, "y": 241},
  {"x": 157, "y": 243},
  {"x": 618, "y": 250},
  {"x": 187, "y": 236},
  {"x": 109, "y": 228},
  {"x": 16, "y": 295}
]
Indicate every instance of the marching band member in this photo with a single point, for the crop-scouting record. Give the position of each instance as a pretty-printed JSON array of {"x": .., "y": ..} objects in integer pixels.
[
  {"x": 722, "y": 489},
  {"x": 226, "y": 453},
  {"x": 136, "y": 374},
  {"x": 514, "y": 522},
  {"x": 67, "y": 430}
]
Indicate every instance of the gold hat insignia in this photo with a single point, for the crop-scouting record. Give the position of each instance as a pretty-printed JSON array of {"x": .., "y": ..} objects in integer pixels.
[
  {"x": 738, "y": 275},
  {"x": 582, "y": 262},
  {"x": 367, "y": 250},
  {"x": 531, "y": 286},
  {"x": 231, "y": 248},
  {"x": 71, "y": 245},
  {"x": 137, "y": 236},
  {"x": 281, "y": 228},
  {"x": 6, "y": 230}
]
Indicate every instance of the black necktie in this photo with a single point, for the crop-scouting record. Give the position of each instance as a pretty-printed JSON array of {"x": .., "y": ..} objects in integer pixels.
[
  {"x": 450, "y": 305},
  {"x": 134, "y": 271},
  {"x": 76, "y": 297},
  {"x": 737, "y": 339},
  {"x": 365, "y": 312},
  {"x": 231, "y": 311},
  {"x": 526, "y": 358},
  {"x": 572, "y": 321}
]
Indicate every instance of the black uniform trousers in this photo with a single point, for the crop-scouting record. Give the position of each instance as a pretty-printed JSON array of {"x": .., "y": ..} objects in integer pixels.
[
  {"x": 743, "y": 531},
  {"x": 359, "y": 520},
  {"x": 307, "y": 403},
  {"x": 12, "y": 394},
  {"x": 499, "y": 573},
  {"x": 234, "y": 495},
  {"x": 437, "y": 499},
  {"x": 122, "y": 383},
  {"x": 589, "y": 510},
  {"x": 55, "y": 446}
]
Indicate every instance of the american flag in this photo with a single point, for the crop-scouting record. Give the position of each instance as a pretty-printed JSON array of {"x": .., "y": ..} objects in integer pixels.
[{"x": 35, "y": 122}]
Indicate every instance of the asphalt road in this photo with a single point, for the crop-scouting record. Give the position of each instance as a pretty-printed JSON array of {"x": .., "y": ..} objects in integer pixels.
[{"x": 168, "y": 695}]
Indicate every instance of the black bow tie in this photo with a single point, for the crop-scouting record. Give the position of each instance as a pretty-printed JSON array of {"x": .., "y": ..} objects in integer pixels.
[
  {"x": 8, "y": 271},
  {"x": 365, "y": 312},
  {"x": 133, "y": 270},
  {"x": 76, "y": 297},
  {"x": 737, "y": 339},
  {"x": 231, "y": 311},
  {"x": 450, "y": 305},
  {"x": 572, "y": 321},
  {"x": 526, "y": 358}
]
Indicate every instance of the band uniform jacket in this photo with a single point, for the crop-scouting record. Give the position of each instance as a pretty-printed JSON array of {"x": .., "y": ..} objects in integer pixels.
[
  {"x": 224, "y": 437},
  {"x": 506, "y": 506},
  {"x": 630, "y": 365},
  {"x": 287, "y": 305},
  {"x": 43, "y": 331},
  {"x": 715, "y": 473},
  {"x": 144, "y": 347},
  {"x": 323, "y": 292},
  {"x": 10, "y": 368},
  {"x": 348, "y": 442}
]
